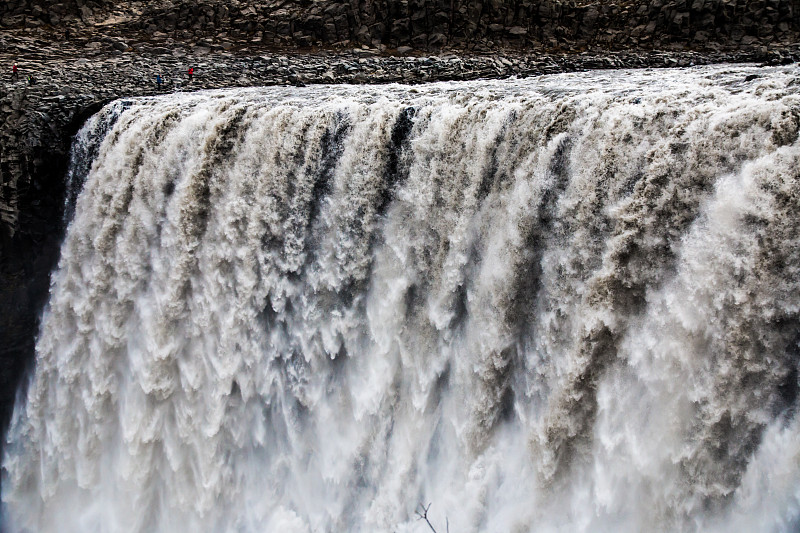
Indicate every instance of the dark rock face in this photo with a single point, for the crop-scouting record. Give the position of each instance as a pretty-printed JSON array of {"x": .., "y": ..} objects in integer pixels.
[
  {"x": 26, "y": 261},
  {"x": 84, "y": 53},
  {"x": 33, "y": 161},
  {"x": 434, "y": 24}
]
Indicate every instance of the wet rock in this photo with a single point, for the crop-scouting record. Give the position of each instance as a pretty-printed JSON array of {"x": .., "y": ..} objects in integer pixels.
[{"x": 437, "y": 40}]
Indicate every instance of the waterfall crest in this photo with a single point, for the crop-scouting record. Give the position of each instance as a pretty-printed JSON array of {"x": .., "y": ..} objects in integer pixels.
[{"x": 561, "y": 303}]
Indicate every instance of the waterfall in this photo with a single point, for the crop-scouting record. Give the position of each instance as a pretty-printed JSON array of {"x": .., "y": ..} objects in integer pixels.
[{"x": 565, "y": 303}]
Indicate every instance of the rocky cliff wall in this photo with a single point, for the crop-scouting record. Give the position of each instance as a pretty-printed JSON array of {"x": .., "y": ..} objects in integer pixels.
[
  {"x": 478, "y": 25},
  {"x": 484, "y": 25}
]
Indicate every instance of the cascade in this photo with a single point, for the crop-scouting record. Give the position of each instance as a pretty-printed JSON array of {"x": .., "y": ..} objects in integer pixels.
[{"x": 565, "y": 303}]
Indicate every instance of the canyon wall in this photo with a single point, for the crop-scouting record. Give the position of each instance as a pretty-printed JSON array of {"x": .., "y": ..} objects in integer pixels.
[{"x": 435, "y": 24}]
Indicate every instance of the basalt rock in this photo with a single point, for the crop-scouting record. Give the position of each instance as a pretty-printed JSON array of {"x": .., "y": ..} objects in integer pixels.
[{"x": 428, "y": 25}]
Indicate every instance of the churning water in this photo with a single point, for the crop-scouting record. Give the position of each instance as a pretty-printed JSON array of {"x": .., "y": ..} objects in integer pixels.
[{"x": 569, "y": 303}]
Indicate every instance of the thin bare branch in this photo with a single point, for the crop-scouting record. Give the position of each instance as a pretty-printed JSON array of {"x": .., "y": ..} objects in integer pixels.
[{"x": 424, "y": 516}]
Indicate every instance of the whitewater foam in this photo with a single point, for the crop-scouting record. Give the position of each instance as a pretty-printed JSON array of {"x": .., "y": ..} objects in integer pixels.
[{"x": 561, "y": 303}]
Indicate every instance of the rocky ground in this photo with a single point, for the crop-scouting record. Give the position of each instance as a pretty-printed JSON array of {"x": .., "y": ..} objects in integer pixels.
[{"x": 83, "y": 54}]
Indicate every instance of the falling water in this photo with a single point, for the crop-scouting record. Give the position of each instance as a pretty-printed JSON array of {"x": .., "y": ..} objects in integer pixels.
[{"x": 569, "y": 303}]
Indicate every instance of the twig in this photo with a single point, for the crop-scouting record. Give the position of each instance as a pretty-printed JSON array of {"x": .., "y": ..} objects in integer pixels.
[{"x": 424, "y": 516}]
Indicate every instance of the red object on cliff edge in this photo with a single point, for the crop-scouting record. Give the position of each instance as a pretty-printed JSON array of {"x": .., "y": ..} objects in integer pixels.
[{"x": 191, "y": 73}]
